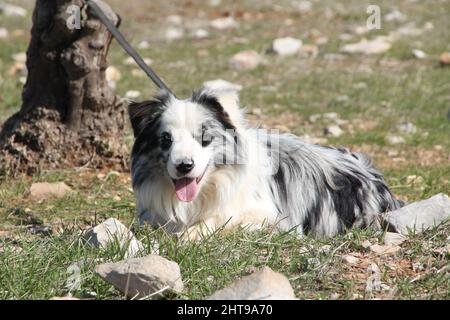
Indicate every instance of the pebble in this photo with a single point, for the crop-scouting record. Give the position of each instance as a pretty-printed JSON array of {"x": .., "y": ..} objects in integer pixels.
[
  {"x": 245, "y": 60},
  {"x": 286, "y": 46}
]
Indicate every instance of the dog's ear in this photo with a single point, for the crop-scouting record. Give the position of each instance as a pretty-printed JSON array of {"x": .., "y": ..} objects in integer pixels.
[{"x": 145, "y": 113}]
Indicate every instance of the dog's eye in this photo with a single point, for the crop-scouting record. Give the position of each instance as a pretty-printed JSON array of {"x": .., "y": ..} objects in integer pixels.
[
  {"x": 165, "y": 141},
  {"x": 206, "y": 138}
]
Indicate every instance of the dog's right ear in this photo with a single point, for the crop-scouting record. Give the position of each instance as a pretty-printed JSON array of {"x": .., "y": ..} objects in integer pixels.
[{"x": 145, "y": 113}]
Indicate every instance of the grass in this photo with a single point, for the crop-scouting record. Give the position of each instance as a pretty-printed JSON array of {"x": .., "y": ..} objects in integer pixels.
[{"x": 382, "y": 91}]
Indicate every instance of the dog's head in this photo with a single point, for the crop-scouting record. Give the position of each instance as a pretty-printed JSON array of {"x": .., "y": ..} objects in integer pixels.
[{"x": 185, "y": 141}]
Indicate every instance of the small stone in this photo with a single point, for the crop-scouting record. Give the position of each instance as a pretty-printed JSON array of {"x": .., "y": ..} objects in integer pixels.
[
  {"x": 407, "y": 128},
  {"x": 111, "y": 231},
  {"x": 419, "y": 216},
  {"x": 414, "y": 180},
  {"x": 224, "y": 23},
  {"x": 264, "y": 284},
  {"x": 44, "y": 190},
  {"x": 286, "y": 46},
  {"x": 112, "y": 74},
  {"x": 200, "y": 34},
  {"x": 10, "y": 10},
  {"x": 393, "y": 140},
  {"x": 132, "y": 94},
  {"x": 220, "y": 84},
  {"x": 325, "y": 249},
  {"x": 174, "y": 34},
  {"x": 419, "y": 54},
  {"x": 4, "y": 33},
  {"x": 334, "y": 131},
  {"x": 366, "y": 244},
  {"x": 43, "y": 230},
  {"x": 143, "y": 44},
  {"x": 174, "y": 19},
  {"x": 245, "y": 60},
  {"x": 384, "y": 250},
  {"x": 148, "y": 277},
  {"x": 304, "y": 6},
  {"x": 360, "y": 86},
  {"x": 395, "y": 15},
  {"x": 350, "y": 260},
  {"x": 367, "y": 47},
  {"x": 393, "y": 239},
  {"x": 444, "y": 59},
  {"x": 20, "y": 57}
]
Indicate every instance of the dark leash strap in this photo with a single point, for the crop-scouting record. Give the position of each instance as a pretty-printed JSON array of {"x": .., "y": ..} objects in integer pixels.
[{"x": 127, "y": 47}]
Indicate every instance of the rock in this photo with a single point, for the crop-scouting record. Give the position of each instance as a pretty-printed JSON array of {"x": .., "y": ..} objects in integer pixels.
[
  {"x": 44, "y": 230},
  {"x": 419, "y": 54},
  {"x": 264, "y": 284},
  {"x": 390, "y": 139},
  {"x": 393, "y": 239},
  {"x": 444, "y": 59},
  {"x": 334, "y": 131},
  {"x": 200, "y": 34},
  {"x": 414, "y": 180},
  {"x": 419, "y": 216},
  {"x": 368, "y": 47},
  {"x": 132, "y": 94},
  {"x": 4, "y": 33},
  {"x": 224, "y": 23},
  {"x": 366, "y": 244},
  {"x": 174, "y": 19},
  {"x": 395, "y": 15},
  {"x": 112, "y": 75},
  {"x": 10, "y": 10},
  {"x": 220, "y": 84},
  {"x": 407, "y": 128},
  {"x": 172, "y": 34},
  {"x": 20, "y": 57},
  {"x": 350, "y": 260},
  {"x": 245, "y": 60},
  {"x": 111, "y": 231},
  {"x": 309, "y": 51},
  {"x": 44, "y": 190},
  {"x": 143, "y": 44},
  {"x": 384, "y": 250},
  {"x": 304, "y": 6},
  {"x": 151, "y": 276},
  {"x": 286, "y": 46}
]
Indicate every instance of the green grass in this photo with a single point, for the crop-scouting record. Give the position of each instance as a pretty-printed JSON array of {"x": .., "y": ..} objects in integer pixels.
[{"x": 398, "y": 88}]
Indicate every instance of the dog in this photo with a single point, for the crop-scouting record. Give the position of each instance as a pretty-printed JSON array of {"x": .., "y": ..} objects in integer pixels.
[{"x": 197, "y": 166}]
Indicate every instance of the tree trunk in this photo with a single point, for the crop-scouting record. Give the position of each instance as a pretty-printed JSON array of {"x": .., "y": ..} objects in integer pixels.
[{"x": 69, "y": 115}]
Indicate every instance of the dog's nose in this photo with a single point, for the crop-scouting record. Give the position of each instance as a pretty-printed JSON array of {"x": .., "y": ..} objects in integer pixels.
[{"x": 185, "y": 166}]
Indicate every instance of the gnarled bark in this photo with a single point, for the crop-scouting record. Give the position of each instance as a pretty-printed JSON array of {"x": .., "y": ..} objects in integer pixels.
[{"x": 69, "y": 116}]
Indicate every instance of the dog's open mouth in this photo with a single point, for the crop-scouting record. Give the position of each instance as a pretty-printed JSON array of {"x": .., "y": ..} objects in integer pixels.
[{"x": 186, "y": 189}]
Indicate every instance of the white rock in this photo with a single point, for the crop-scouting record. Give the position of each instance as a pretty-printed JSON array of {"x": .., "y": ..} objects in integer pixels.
[
  {"x": 20, "y": 57},
  {"x": 334, "y": 131},
  {"x": 384, "y": 250},
  {"x": 220, "y": 84},
  {"x": 174, "y": 34},
  {"x": 420, "y": 216},
  {"x": 264, "y": 284},
  {"x": 113, "y": 231},
  {"x": 350, "y": 260},
  {"x": 132, "y": 94},
  {"x": 368, "y": 47},
  {"x": 4, "y": 33},
  {"x": 214, "y": 3},
  {"x": 304, "y": 6},
  {"x": 366, "y": 244},
  {"x": 45, "y": 190},
  {"x": 151, "y": 276},
  {"x": 143, "y": 44},
  {"x": 390, "y": 139},
  {"x": 394, "y": 15},
  {"x": 174, "y": 19},
  {"x": 419, "y": 54},
  {"x": 224, "y": 23},
  {"x": 10, "y": 10},
  {"x": 407, "y": 127},
  {"x": 393, "y": 239},
  {"x": 245, "y": 60},
  {"x": 200, "y": 34},
  {"x": 286, "y": 46}
]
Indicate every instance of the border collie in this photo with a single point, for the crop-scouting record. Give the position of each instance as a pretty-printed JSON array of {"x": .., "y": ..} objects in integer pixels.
[{"x": 197, "y": 166}]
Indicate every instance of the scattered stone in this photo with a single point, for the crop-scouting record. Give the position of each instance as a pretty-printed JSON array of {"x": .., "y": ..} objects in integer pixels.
[
  {"x": 393, "y": 140},
  {"x": 444, "y": 59},
  {"x": 43, "y": 230},
  {"x": 325, "y": 249},
  {"x": 264, "y": 284},
  {"x": 10, "y": 10},
  {"x": 360, "y": 86},
  {"x": 366, "y": 244},
  {"x": 419, "y": 54},
  {"x": 342, "y": 98},
  {"x": 20, "y": 57},
  {"x": 245, "y": 60},
  {"x": 368, "y": 47},
  {"x": 4, "y": 33},
  {"x": 143, "y": 44},
  {"x": 44, "y": 190},
  {"x": 304, "y": 6},
  {"x": 132, "y": 94},
  {"x": 407, "y": 128},
  {"x": 220, "y": 84},
  {"x": 174, "y": 34},
  {"x": 414, "y": 180},
  {"x": 286, "y": 46},
  {"x": 174, "y": 19},
  {"x": 334, "y": 131},
  {"x": 384, "y": 250},
  {"x": 148, "y": 277},
  {"x": 200, "y": 34},
  {"x": 309, "y": 51},
  {"x": 350, "y": 260},
  {"x": 110, "y": 231},
  {"x": 373, "y": 282},
  {"x": 420, "y": 216},
  {"x": 224, "y": 23},
  {"x": 393, "y": 239},
  {"x": 395, "y": 15}
]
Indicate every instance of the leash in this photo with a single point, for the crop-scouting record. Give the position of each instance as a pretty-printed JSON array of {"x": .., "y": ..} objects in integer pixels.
[{"x": 127, "y": 47}]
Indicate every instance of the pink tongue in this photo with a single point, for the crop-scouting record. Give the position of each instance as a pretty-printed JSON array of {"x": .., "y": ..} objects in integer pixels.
[{"x": 186, "y": 189}]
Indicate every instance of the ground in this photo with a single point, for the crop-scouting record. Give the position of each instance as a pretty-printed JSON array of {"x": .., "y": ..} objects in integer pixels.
[{"x": 372, "y": 96}]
